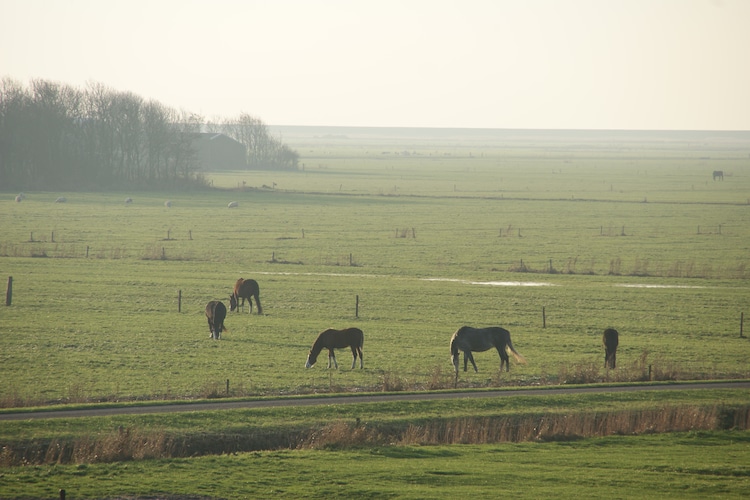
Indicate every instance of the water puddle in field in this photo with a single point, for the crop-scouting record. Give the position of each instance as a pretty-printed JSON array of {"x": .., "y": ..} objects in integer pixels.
[
  {"x": 483, "y": 283},
  {"x": 452, "y": 280},
  {"x": 344, "y": 275},
  {"x": 492, "y": 283}
]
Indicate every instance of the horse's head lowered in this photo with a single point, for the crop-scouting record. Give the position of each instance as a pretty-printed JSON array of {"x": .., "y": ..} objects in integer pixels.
[
  {"x": 312, "y": 358},
  {"x": 232, "y": 302}
]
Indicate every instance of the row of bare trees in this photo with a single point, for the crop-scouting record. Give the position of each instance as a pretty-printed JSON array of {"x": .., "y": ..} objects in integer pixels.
[
  {"x": 53, "y": 135},
  {"x": 262, "y": 150}
]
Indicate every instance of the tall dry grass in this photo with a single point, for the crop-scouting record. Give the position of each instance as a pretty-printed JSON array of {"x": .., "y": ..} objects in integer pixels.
[
  {"x": 551, "y": 427},
  {"x": 132, "y": 444}
]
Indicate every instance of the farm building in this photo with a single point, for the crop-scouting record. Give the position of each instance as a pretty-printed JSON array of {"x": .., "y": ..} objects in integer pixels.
[{"x": 218, "y": 152}]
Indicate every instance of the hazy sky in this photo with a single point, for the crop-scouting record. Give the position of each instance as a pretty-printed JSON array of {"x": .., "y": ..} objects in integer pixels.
[{"x": 594, "y": 64}]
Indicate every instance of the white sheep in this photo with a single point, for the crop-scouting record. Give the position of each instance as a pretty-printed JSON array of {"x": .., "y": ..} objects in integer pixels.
[{"x": 233, "y": 204}]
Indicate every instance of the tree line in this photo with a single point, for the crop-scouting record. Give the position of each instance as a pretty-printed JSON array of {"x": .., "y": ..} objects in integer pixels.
[{"x": 53, "y": 135}]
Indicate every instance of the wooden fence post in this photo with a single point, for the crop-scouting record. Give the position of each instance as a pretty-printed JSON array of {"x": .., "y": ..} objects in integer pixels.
[
  {"x": 544, "y": 317},
  {"x": 356, "y": 308},
  {"x": 742, "y": 320},
  {"x": 9, "y": 291},
  {"x": 179, "y": 301}
]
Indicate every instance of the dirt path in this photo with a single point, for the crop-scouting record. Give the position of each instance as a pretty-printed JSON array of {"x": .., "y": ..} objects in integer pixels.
[{"x": 347, "y": 399}]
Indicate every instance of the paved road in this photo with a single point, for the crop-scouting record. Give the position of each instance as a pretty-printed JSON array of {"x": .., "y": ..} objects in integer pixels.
[{"x": 340, "y": 400}]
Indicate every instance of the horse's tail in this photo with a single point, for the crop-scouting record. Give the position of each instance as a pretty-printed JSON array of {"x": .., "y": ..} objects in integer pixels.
[{"x": 515, "y": 353}]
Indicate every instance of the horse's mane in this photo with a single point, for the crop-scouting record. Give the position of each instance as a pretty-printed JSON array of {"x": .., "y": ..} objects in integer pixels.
[{"x": 318, "y": 344}]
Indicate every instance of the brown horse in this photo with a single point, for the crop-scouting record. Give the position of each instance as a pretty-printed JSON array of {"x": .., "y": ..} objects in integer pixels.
[
  {"x": 216, "y": 312},
  {"x": 468, "y": 339},
  {"x": 337, "y": 339},
  {"x": 245, "y": 289},
  {"x": 610, "y": 339}
]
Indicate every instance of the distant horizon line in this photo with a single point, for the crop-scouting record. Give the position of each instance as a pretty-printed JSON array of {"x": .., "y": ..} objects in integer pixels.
[{"x": 526, "y": 129}]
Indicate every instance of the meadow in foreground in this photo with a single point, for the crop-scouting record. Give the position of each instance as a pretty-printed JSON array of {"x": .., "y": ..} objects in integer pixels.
[{"x": 688, "y": 465}]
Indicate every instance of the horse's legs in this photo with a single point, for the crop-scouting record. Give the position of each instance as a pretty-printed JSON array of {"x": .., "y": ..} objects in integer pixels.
[
  {"x": 471, "y": 358},
  {"x": 504, "y": 359},
  {"x": 609, "y": 359},
  {"x": 357, "y": 351},
  {"x": 210, "y": 328},
  {"x": 332, "y": 356}
]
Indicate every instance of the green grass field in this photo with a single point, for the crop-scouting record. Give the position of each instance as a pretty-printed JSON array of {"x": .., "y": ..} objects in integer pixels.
[
  {"x": 690, "y": 465},
  {"x": 554, "y": 239},
  {"x": 445, "y": 236}
]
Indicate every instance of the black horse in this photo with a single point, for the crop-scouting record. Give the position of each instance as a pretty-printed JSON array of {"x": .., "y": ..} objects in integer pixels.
[
  {"x": 469, "y": 339},
  {"x": 718, "y": 174},
  {"x": 337, "y": 339},
  {"x": 610, "y": 339},
  {"x": 216, "y": 312},
  {"x": 245, "y": 289}
]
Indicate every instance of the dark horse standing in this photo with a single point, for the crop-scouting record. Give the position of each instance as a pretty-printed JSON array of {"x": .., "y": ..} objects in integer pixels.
[
  {"x": 216, "y": 312},
  {"x": 468, "y": 339},
  {"x": 610, "y": 339},
  {"x": 245, "y": 289},
  {"x": 337, "y": 339}
]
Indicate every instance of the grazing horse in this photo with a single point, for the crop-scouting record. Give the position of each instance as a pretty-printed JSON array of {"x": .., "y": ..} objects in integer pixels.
[
  {"x": 337, "y": 339},
  {"x": 216, "y": 312},
  {"x": 610, "y": 339},
  {"x": 718, "y": 174},
  {"x": 468, "y": 339},
  {"x": 245, "y": 289}
]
